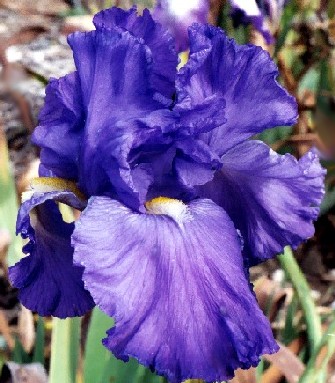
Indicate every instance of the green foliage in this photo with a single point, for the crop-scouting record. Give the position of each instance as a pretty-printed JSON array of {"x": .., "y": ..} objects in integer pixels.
[
  {"x": 297, "y": 278},
  {"x": 313, "y": 373},
  {"x": 101, "y": 366},
  {"x": 290, "y": 331},
  {"x": 286, "y": 24},
  {"x": 8, "y": 204},
  {"x": 20, "y": 356},
  {"x": 97, "y": 357},
  {"x": 40, "y": 342}
]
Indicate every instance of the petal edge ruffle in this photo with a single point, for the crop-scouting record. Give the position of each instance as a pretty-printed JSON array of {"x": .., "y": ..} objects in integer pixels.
[
  {"x": 244, "y": 75},
  {"x": 273, "y": 199},
  {"x": 179, "y": 294},
  {"x": 48, "y": 281},
  {"x": 159, "y": 41}
]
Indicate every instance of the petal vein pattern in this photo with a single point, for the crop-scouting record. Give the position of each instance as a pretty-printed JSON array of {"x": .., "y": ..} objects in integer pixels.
[
  {"x": 155, "y": 37},
  {"x": 49, "y": 283},
  {"x": 178, "y": 290},
  {"x": 273, "y": 199},
  {"x": 244, "y": 75}
]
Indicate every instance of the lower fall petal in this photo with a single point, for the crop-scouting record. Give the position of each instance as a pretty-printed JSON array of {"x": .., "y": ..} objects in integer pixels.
[
  {"x": 48, "y": 281},
  {"x": 175, "y": 283}
]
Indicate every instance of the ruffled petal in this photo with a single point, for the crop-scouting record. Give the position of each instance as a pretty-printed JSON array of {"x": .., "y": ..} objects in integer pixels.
[
  {"x": 123, "y": 118},
  {"x": 245, "y": 76},
  {"x": 177, "y": 16},
  {"x": 48, "y": 281},
  {"x": 175, "y": 285},
  {"x": 114, "y": 69},
  {"x": 273, "y": 199},
  {"x": 61, "y": 127},
  {"x": 159, "y": 41}
]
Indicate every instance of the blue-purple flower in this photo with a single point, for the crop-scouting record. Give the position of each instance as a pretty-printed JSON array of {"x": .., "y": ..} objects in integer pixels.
[
  {"x": 177, "y": 16},
  {"x": 260, "y": 13},
  {"x": 176, "y": 201}
]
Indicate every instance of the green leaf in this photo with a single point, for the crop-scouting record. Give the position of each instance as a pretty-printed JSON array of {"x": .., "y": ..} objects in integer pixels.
[
  {"x": 260, "y": 370},
  {"x": 97, "y": 357},
  {"x": 313, "y": 371},
  {"x": 286, "y": 24},
  {"x": 298, "y": 280},
  {"x": 8, "y": 204},
  {"x": 100, "y": 366},
  {"x": 241, "y": 34},
  {"x": 326, "y": 89},
  {"x": 117, "y": 371},
  {"x": 312, "y": 318},
  {"x": 19, "y": 355},
  {"x": 65, "y": 343},
  {"x": 328, "y": 201},
  {"x": 310, "y": 81},
  {"x": 331, "y": 9},
  {"x": 290, "y": 331},
  {"x": 270, "y": 136},
  {"x": 325, "y": 109},
  {"x": 40, "y": 342}
]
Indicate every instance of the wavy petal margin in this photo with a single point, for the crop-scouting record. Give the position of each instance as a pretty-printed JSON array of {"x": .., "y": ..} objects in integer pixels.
[
  {"x": 48, "y": 281},
  {"x": 273, "y": 199},
  {"x": 176, "y": 286}
]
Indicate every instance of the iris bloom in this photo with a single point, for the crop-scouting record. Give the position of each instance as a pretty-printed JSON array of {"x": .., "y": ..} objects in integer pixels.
[
  {"x": 178, "y": 15},
  {"x": 176, "y": 201},
  {"x": 258, "y": 13}
]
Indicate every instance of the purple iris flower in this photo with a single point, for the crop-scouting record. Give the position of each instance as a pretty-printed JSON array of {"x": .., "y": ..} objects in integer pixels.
[
  {"x": 176, "y": 201},
  {"x": 257, "y": 12},
  {"x": 178, "y": 15}
]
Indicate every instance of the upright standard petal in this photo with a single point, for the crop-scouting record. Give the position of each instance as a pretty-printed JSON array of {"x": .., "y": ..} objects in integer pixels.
[
  {"x": 273, "y": 199},
  {"x": 122, "y": 115},
  {"x": 48, "y": 281},
  {"x": 158, "y": 40},
  {"x": 61, "y": 127},
  {"x": 176, "y": 286},
  {"x": 178, "y": 15},
  {"x": 244, "y": 75}
]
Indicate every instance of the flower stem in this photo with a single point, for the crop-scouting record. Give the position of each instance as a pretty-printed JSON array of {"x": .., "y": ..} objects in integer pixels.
[{"x": 64, "y": 350}]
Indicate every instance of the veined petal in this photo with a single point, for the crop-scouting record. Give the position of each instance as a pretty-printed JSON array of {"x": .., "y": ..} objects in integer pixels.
[
  {"x": 244, "y": 75},
  {"x": 159, "y": 41},
  {"x": 123, "y": 116},
  {"x": 48, "y": 281},
  {"x": 114, "y": 68},
  {"x": 61, "y": 127},
  {"x": 175, "y": 283},
  {"x": 273, "y": 199}
]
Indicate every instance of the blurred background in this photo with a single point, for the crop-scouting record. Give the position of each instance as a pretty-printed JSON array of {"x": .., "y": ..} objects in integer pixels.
[{"x": 296, "y": 291}]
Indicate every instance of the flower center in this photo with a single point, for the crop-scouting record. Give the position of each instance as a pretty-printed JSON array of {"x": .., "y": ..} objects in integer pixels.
[
  {"x": 174, "y": 208},
  {"x": 50, "y": 184}
]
